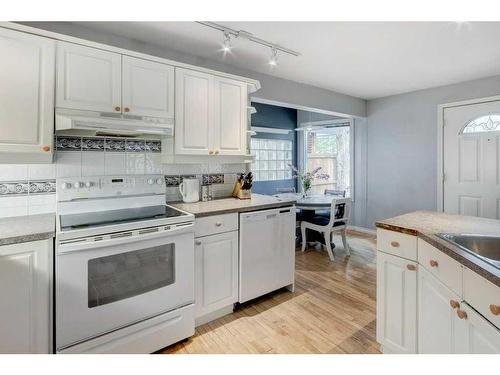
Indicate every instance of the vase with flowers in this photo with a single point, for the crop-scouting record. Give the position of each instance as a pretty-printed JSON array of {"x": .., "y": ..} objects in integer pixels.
[{"x": 306, "y": 178}]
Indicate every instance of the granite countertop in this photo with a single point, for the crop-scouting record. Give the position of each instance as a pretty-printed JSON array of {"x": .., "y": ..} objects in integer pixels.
[
  {"x": 27, "y": 228},
  {"x": 228, "y": 205},
  {"x": 426, "y": 224}
]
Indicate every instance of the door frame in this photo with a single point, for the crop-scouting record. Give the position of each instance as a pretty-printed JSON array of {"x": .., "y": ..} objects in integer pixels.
[{"x": 440, "y": 141}]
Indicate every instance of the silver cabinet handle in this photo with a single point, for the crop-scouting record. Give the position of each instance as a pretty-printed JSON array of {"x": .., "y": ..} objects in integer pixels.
[{"x": 197, "y": 242}]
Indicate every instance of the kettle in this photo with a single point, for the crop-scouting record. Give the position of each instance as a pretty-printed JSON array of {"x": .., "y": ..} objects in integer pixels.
[{"x": 190, "y": 190}]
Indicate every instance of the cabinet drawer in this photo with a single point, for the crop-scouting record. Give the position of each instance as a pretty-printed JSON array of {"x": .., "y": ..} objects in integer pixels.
[
  {"x": 395, "y": 243},
  {"x": 206, "y": 226},
  {"x": 482, "y": 295},
  {"x": 446, "y": 269}
]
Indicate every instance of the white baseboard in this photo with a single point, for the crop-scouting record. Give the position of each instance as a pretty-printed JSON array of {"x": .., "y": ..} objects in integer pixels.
[{"x": 362, "y": 229}]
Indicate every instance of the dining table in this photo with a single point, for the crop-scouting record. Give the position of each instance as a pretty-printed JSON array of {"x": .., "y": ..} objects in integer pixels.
[{"x": 310, "y": 202}]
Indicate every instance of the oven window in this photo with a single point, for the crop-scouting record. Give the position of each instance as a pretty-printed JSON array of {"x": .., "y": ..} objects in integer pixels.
[{"x": 116, "y": 277}]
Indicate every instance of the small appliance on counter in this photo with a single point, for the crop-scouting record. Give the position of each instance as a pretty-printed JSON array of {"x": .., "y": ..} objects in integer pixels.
[
  {"x": 243, "y": 187},
  {"x": 190, "y": 190}
]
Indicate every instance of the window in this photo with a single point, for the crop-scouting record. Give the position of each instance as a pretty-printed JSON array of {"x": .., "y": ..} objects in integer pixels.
[
  {"x": 330, "y": 149},
  {"x": 272, "y": 157},
  {"x": 481, "y": 124}
]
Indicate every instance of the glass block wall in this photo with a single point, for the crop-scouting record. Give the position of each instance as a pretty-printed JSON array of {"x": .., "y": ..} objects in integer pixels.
[{"x": 272, "y": 157}]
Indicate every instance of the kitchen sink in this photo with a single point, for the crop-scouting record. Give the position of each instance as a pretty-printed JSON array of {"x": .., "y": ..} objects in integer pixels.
[{"x": 486, "y": 248}]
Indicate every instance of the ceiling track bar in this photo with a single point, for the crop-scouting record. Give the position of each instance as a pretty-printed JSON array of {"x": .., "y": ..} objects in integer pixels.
[{"x": 248, "y": 36}]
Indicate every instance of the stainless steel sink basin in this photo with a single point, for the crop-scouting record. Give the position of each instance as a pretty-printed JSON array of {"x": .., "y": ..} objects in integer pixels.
[{"x": 486, "y": 248}]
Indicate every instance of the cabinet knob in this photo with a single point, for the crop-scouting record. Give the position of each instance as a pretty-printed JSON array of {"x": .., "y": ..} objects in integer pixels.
[
  {"x": 210, "y": 152},
  {"x": 461, "y": 314},
  {"x": 495, "y": 309},
  {"x": 197, "y": 242},
  {"x": 411, "y": 267},
  {"x": 46, "y": 148},
  {"x": 216, "y": 152},
  {"x": 126, "y": 109},
  {"x": 395, "y": 244},
  {"x": 117, "y": 109},
  {"x": 218, "y": 224},
  {"x": 433, "y": 263},
  {"x": 454, "y": 304}
]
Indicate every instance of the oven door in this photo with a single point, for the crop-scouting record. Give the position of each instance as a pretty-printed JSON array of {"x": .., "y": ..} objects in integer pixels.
[{"x": 107, "y": 282}]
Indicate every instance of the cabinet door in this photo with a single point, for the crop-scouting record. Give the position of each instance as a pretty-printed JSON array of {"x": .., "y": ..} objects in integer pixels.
[
  {"x": 27, "y": 70},
  {"x": 216, "y": 272},
  {"x": 88, "y": 78},
  {"x": 194, "y": 116},
  {"x": 437, "y": 323},
  {"x": 230, "y": 117},
  {"x": 25, "y": 294},
  {"x": 396, "y": 304},
  {"x": 148, "y": 88},
  {"x": 476, "y": 335}
]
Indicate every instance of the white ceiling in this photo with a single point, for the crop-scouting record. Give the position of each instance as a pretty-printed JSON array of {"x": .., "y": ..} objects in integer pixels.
[{"x": 363, "y": 59}]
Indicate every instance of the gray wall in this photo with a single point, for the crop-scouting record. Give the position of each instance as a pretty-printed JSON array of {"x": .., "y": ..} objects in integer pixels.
[
  {"x": 273, "y": 88},
  {"x": 402, "y": 147}
]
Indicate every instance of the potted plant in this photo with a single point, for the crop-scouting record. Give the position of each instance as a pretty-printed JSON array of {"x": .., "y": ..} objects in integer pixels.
[{"x": 307, "y": 178}]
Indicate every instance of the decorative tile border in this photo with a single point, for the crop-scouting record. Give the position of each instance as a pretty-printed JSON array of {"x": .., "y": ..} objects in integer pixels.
[
  {"x": 172, "y": 180},
  {"x": 8, "y": 188},
  {"x": 217, "y": 178},
  {"x": 108, "y": 144},
  {"x": 175, "y": 180}
]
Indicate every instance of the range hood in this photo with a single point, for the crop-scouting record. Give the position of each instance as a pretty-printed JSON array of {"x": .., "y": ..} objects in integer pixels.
[{"x": 111, "y": 123}]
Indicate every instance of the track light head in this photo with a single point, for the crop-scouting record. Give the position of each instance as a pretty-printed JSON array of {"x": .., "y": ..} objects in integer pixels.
[
  {"x": 273, "y": 61},
  {"x": 226, "y": 45}
]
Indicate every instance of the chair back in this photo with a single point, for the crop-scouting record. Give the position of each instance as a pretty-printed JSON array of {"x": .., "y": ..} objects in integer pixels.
[
  {"x": 340, "y": 193},
  {"x": 285, "y": 190},
  {"x": 340, "y": 210}
]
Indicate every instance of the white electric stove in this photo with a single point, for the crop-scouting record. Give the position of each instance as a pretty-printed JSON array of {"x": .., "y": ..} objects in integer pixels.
[{"x": 124, "y": 268}]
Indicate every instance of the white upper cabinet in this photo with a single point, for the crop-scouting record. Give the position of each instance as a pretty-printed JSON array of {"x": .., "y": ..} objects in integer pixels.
[
  {"x": 194, "y": 108},
  {"x": 396, "y": 304},
  {"x": 230, "y": 116},
  {"x": 148, "y": 88},
  {"x": 88, "y": 78},
  {"x": 211, "y": 114},
  {"x": 27, "y": 69}
]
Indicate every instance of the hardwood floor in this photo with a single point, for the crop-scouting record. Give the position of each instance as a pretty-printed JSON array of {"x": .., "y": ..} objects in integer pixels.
[{"x": 331, "y": 311}]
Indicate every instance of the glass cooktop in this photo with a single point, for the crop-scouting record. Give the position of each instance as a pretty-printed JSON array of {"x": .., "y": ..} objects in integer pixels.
[{"x": 110, "y": 217}]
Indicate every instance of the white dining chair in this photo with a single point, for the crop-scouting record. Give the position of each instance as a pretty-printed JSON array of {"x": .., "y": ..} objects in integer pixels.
[{"x": 340, "y": 212}]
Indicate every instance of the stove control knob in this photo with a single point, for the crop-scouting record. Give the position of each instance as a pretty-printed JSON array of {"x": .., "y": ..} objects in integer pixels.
[
  {"x": 78, "y": 185},
  {"x": 159, "y": 181},
  {"x": 66, "y": 185},
  {"x": 151, "y": 181},
  {"x": 89, "y": 184}
]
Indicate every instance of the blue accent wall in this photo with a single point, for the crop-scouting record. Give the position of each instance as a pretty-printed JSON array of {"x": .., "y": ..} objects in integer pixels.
[{"x": 271, "y": 116}]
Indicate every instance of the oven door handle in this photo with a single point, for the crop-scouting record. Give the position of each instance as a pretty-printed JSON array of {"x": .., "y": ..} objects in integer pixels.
[{"x": 85, "y": 245}]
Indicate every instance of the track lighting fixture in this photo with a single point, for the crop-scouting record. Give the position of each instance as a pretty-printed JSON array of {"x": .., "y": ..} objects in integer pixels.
[
  {"x": 273, "y": 61},
  {"x": 226, "y": 45},
  {"x": 228, "y": 33}
]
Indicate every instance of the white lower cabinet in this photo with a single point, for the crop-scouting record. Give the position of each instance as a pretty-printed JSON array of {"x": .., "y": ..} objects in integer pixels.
[
  {"x": 437, "y": 319},
  {"x": 438, "y": 324},
  {"x": 396, "y": 304},
  {"x": 25, "y": 285},
  {"x": 216, "y": 275}
]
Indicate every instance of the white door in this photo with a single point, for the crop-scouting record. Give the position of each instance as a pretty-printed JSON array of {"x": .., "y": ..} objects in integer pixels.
[
  {"x": 437, "y": 319},
  {"x": 25, "y": 294},
  {"x": 148, "y": 88},
  {"x": 476, "y": 335},
  {"x": 230, "y": 117},
  {"x": 88, "y": 78},
  {"x": 396, "y": 304},
  {"x": 471, "y": 145},
  {"x": 27, "y": 71},
  {"x": 194, "y": 112},
  {"x": 216, "y": 272}
]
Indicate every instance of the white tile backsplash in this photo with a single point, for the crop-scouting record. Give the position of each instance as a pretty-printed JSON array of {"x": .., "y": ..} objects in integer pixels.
[
  {"x": 153, "y": 163},
  {"x": 136, "y": 163},
  {"x": 68, "y": 164},
  {"x": 115, "y": 163},
  {"x": 92, "y": 163},
  {"x": 41, "y": 171},
  {"x": 13, "y": 172}
]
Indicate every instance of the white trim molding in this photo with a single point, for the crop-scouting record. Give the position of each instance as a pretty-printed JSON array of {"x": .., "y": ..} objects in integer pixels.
[{"x": 440, "y": 141}]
